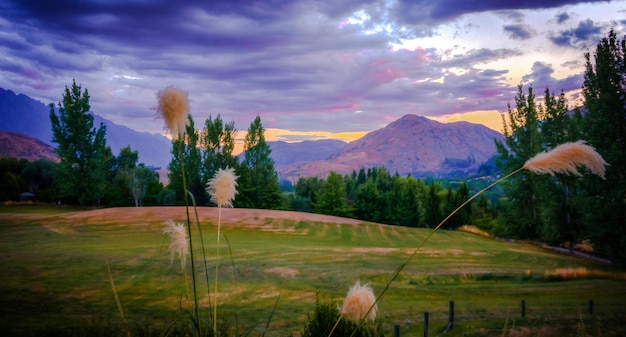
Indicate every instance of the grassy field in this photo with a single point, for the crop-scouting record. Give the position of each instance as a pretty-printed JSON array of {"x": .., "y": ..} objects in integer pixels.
[{"x": 54, "y": 276}]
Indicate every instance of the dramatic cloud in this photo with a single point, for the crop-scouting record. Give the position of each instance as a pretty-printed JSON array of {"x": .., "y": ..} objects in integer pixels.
[{"x": 309, "y": 68}]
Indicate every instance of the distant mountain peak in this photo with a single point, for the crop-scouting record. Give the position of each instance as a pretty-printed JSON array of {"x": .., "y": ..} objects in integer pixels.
[{"x": 412, "y": 145}]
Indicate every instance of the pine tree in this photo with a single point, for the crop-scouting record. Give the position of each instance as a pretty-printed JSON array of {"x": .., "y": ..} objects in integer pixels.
[{"x": 80, "y": 177}]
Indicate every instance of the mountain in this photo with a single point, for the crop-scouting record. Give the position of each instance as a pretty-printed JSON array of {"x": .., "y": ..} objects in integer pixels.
[
  {"x": 285, "y": 153},
  {"x": 20, "y": 146},
  {"x": 411, "y": 145},
  {"x": 22, "y": 114}
]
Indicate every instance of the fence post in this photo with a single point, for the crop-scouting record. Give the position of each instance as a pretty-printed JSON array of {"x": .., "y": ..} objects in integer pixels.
[
  {"x": 590, "y": 307},
  {"x": 396, "y": 330},
  {"x": 426, "y": 324},
  {"x": 451, "y": 314},
  {"x": 451, "y": 317},
  {"x": 523, "y": 308}
]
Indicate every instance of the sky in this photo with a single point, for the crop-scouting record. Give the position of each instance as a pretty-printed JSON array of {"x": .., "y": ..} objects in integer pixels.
[{"x": 311, "y": 69}]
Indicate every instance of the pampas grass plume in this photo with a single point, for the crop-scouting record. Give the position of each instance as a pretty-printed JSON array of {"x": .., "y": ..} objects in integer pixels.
[
  {"x": 565, "y": 158},
  {"x": 178, "y": 244},
  {"x": 173, "y": 108},
  {"x": 358, "y": 301},
  {"x": 223, "y": 187}
]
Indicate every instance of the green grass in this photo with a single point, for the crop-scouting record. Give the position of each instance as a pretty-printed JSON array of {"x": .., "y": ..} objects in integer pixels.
[{"x": 53, "y": 275}]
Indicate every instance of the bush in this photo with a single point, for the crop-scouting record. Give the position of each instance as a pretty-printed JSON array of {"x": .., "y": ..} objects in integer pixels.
[{"x": 325, "y": 317}]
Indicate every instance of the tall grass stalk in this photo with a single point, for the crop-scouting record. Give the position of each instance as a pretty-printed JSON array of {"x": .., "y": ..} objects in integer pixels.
[
  {"x": 117, "y": 298},
  {"x": 204, "y": 258},
  {"x": 564, "y": 159},
  {"x": 196, "y": 315},
  {"x": 222, "y": 188},
  {"x": 173, "y": 107},
  {"x": 232, "y": 263},
  {"x": 217, "y": 264}
]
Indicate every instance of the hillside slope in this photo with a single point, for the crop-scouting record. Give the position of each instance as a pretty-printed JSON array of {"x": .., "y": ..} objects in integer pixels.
[
  {"x": 411, "y": 145},
  {"x": 20, "y": 146}
]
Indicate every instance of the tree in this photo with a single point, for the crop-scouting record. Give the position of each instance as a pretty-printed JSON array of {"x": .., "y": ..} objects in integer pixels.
[
  {"x": 117, "y": 192},
  {"x": 433, "y": 206},
  {"x": 604, "y": 91},
  {"x": 140, "y": 182},
  {"x": 191, "y": 156},
  {"x": 39, "y": 175},
  {"x": 332, "y": 199},
  {"x": 522, "y": 142},
  {"x": 306, "y": 191},
  {"x": 217, "y": 140},
  {"x": 258, "y": 179},
  {"x": 559, "y": 215},
  {"x": 80, "y": 175},
  {"x": 11, "y": 183}
]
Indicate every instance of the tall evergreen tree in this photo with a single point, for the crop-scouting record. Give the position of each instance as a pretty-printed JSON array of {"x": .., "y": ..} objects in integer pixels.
[
  {"x": 258, "y": 184},
  {"x": 81, "y": 149},
  {"x": 604, "y": 125}
]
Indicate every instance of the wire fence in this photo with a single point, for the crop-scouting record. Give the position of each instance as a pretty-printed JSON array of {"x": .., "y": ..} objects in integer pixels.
[{"x": 442, "y": 321}]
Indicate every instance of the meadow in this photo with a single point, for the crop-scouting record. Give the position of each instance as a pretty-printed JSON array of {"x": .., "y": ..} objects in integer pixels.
[{"x": 275, "y": 265}]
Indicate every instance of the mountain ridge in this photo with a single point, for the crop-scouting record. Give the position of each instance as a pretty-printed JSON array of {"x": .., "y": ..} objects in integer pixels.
[{"x": 412, "y": 145}]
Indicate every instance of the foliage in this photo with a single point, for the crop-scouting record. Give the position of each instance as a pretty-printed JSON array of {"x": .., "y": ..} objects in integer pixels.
[
  {"x": 380, "y": 197},
  {"x": 39, "y": 175},
  {"x": 604, "y": 126},
  {"x": 191, "y": 157},
  {"x": 325, "y": 315},
  {"x": 217, "y": 141},
  {"x": 80, "y": 175},
  {"x": 259, "y": 181},
  {"x": 332, "y": 197},
  {"x": 11, "y": 183},
  {"x": 522, "y": 142}
]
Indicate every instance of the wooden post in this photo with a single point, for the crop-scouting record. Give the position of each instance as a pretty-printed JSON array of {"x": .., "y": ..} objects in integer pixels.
[
  {"x": 426, "y": 324},
  {"x": 450, "y": 318},
  {"x": 523, "y": 308},
  {"x": 590, "y": 307},
  {"x": 396, "y": 330}
]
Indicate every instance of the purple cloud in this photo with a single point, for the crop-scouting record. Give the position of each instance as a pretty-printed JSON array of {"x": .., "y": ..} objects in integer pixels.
[
  {"x": 519, "y": 31},
  {"x": 583, "y": 36}
]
